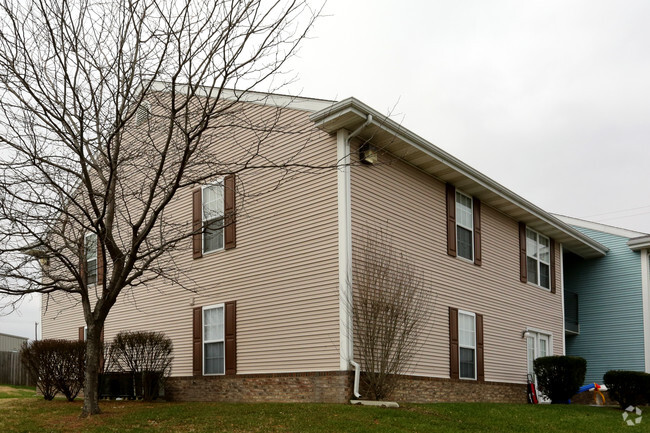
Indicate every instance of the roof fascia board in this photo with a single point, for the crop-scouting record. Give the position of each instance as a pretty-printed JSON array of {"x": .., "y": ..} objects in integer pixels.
[
  {"x": 639, "y": 243},
  {"x": 412, "y": 139}
]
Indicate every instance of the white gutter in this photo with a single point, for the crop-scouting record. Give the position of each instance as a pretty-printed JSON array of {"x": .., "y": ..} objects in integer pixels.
[
  {"x": 346, "y": 334},
  {"x": 334, "y": 117}
]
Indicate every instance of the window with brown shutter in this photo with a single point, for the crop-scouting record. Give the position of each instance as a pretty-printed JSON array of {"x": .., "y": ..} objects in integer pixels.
[
  {"x": 453, "y": 343},
  {"x": 82, "y": 334},
  {"x": 537, "y": 258},
  {"x": 206, "y": 345},
  {"x": 214, "y": 217},
  {"x": 451, "y": 220},
  {"x": 466, "y": 351}
]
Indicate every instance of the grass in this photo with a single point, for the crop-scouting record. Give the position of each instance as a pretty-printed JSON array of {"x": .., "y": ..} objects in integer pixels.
[
  {"x": 35, "y": 415},
  {"x": 11, "y": 391}
]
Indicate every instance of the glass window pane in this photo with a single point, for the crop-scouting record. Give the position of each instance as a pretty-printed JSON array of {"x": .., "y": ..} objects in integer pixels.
[
  {"x": 213, "y": 324},
  {"x": 464, "y": 241},
  {"x": 464, "y": 211},
  {"x": 544, "y": 275},
  {"x": 466, "y": 330},
  {"x": 91, "y": 272},
  {"x": 544, "y": 250},
  {"x": 213, "y": 236},
  {"x": 90, "y": 243},
  {"x": 214, "y": 358},
  {"x": 531, "y": 243},
  {"x": 531, "y": 265},
  {"x": 212, "y": 202},
  {"x": 543, "y": 350},
  {"x": 467, "y": 363}
]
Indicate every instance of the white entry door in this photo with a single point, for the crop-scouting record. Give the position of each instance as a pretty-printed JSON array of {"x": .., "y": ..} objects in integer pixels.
[{"x": 538, "y": 344}]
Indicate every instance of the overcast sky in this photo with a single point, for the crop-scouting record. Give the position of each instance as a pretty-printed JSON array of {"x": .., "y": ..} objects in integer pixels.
[{"x": 549, "y": 98}]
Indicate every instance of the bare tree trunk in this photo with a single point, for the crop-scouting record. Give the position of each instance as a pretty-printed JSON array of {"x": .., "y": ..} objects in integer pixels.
[{"x": 91, "y": 384}]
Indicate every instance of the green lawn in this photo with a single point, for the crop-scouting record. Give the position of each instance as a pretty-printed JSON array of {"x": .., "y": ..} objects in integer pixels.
[
  {"x": 7, "y": 391},
  {"x": 35, "y": 415}
]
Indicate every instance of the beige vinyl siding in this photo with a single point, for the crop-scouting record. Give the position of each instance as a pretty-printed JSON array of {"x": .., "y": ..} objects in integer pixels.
[
  {"x": 410, "y": 205},
  {"x": 283, "y": 274}
]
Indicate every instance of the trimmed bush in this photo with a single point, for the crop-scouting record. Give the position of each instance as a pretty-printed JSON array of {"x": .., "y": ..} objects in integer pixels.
[
  {"x": 56, "y": 366},
  {"x": 146, "y": 355},
  {"x": 628, "y": 388},
  {"x": 560, "y": 377}
]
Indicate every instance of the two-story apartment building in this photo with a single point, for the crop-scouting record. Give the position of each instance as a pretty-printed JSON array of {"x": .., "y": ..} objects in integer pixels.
[{"x": 268, "y": 316}]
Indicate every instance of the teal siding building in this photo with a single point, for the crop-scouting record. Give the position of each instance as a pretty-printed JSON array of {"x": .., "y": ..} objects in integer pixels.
[{"x": 606, "y": 302}]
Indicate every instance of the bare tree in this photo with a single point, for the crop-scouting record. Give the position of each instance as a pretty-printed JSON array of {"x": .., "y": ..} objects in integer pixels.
[
  {"x": 108, "y": 109},
  {"x": 390, "y": 306}
]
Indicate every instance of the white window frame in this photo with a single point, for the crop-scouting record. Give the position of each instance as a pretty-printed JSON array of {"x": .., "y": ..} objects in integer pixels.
[
  {"x": 538, "y": 259},
  {"x": 458, "y": 224},
  {"x": 204, "y": 222},
  {"x": 86, "y": 259},
  {"x": 461, "y": 346},
  {"x": 204, "y": 341},
  {"x": 537, "y": 335}
]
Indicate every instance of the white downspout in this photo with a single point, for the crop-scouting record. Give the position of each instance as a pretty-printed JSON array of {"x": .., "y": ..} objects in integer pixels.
[{"x": 345, "y": 251}]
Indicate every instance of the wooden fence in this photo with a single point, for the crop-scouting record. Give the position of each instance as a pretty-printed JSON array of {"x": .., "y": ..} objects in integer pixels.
[{"x": 12, "y": 371}]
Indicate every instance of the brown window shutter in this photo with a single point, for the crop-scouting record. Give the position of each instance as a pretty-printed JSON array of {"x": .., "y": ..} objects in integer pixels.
[
  {"x": 231, "y": 337},
  {"x": 453, "y": 343},
  {"x": 480, "y": 360},
  {"x": 230, "y": 232},
  {"x": 197, "y": 224},
  {"x": 100, "y": 263},
  {"x": 477, "y": 232},
  {"x": 553, "y": 275},
  {"x": 81, "y": 333},
  {"x": 523, "y": 274},
  {"x": 197, "y": 341},
  {"x": 451, "y": 220}
]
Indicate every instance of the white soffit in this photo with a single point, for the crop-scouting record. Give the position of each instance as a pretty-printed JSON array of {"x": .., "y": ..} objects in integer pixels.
[{"x": 388, "y": 135}]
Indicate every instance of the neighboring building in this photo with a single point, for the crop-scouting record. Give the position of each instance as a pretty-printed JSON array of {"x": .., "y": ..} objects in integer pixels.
[
  {"x": 606, "y": 301},
  {"x": 11, "y": 343},
  {"x": 269, "y": 318}
]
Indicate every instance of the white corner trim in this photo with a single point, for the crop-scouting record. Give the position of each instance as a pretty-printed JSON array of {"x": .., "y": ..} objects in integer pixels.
[
  {"x": 345, "y": 248},
  {"x": 645, "y": 290},
  {"x": 562, "y": 295}
]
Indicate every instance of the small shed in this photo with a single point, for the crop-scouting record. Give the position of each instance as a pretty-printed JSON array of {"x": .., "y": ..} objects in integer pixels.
[{"x": 11, "y": 343}]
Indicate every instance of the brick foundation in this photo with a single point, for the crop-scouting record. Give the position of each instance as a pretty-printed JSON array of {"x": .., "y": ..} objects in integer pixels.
[
  {"x": 321, "y": 387},
  {"x": 416, "y": 389},
  {"x": 333, "y": 387}
]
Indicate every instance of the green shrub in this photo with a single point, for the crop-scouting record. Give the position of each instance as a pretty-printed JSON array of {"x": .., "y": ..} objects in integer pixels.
[
  {"x": 560, "y": 377},
  {"x": 628, "y": 388}
]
